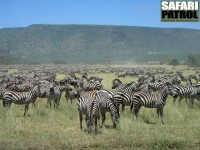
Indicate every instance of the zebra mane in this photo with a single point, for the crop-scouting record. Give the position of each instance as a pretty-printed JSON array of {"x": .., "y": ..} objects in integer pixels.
[{"x": 117, "y": 80}]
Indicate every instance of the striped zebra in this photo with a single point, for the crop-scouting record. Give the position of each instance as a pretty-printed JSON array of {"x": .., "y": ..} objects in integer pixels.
[
  {"x": 20, "y": 98},
  {"x": 4, "y": 88},
  {"x": 157, "y": 101},
  {"x": 127, "y": 87},
  {"x": 25, "y": 87},
  {"x": 93, "y": 85},
  {"x": 124, "y": 97},
  {"x": 70, "y": 93},
  {"x": 189, "y": 92},
  {"x": 116, "y": 83},
  {"x": 100, "y": 104},
  {"x": 2, "y": 91},
  {"x": 44, "y": 88},
  {"x": 124, "y": 88},
  {"x": 53, "y": 94},
  {"x": 84, "y": 100}
]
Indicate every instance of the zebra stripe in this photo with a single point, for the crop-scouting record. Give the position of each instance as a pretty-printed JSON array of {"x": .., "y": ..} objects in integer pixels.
[{"x": 10, "y": 97}]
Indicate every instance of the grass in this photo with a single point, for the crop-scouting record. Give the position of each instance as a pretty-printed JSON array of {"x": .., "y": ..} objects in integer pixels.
[{"x": 45, "y": 128}]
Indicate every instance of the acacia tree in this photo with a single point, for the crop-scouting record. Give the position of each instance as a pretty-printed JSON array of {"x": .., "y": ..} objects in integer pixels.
[
  {"x": 174, "y": 62},
  {"x": 192, "y": 61}
]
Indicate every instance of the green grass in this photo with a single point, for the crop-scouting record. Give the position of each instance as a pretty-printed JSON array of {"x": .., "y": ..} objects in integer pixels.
[{"x": 45, "y": 128}]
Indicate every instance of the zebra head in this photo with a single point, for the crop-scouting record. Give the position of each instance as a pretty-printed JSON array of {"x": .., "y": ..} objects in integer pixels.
[
  {"x": 170, "y": 88},
  {"x": 116, "y": 83},
  {"x": 37, "y": 89},
  {"x": 41, "y": 90},
  {"x": 51, "y": 86}
]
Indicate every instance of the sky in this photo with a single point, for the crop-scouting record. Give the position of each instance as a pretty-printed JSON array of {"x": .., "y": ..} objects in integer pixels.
[{"x": 22, "y": 13}]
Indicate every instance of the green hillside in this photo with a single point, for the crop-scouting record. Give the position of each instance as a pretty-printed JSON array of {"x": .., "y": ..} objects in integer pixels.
[{"x": 95, "y": 43}]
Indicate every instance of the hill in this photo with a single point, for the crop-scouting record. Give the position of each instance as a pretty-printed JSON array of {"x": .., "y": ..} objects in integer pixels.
[{"x": 95, "y": 44}]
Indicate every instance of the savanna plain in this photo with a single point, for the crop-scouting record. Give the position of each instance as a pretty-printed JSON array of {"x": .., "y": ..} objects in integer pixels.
[{"x": 45, "y": 128}]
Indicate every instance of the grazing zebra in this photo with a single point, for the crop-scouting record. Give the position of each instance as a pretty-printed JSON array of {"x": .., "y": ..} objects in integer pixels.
[
  {"x": 157, "y": 101},
  {"x": 53, "y": 94},
  {"x": 84, "y": 100},
  {"x": 106, "y": 104},
  {"x": 10, "y": 97},
  {"x": 92, "y": 107}
]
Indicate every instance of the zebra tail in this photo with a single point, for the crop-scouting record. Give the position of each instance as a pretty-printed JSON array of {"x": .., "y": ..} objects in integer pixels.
[
  {"x": 91, "y": 109},
  {"x": 112, "y": 99}
]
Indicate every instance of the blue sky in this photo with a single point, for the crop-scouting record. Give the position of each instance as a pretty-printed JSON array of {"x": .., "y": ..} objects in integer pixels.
[{"x": 21, "y": 13}]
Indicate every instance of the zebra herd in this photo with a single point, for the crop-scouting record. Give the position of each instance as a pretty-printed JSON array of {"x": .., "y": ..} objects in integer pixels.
[{"x": 93, "y": 100}]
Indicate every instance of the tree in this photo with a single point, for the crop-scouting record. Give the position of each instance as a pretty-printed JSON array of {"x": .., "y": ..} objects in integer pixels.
[
  {"x": 174, "y": 62},
  {"x": 192, "y": 61}
]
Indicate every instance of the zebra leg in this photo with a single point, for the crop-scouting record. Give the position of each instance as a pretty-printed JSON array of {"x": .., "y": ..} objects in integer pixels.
[
  {"x": 114, "y": 121},
  {"x": 158, "y": 113},
  {"x": 174, "y": 100},
  {"x": 180, "y": 99},
  {"x": 81, "y": 119},
  {"x": 103, "y": 114},
  {"x": 192, "y": 102},
  {"x": 136, "y": 110},
  {"x": 96, "y": 125},
  {"x": 123, "y": 107},
  {"x": 66, "y": 98},
  {"x": 54, "y": 103},
  {"x": 58, "y": 102},
  {"x": 48, "y": 102},
  {"x": 161, "y": 115},
  {"x": 33, "y": 103},
  {"x": 186, "y": 100},
  {"x": 26, "y": 109}
]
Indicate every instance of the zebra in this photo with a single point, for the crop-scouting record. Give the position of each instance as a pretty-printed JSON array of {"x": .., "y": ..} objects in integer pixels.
[
  {"x": 53, "y": 94},
  {"x": 70, "y": 93},
  {"x": 84, "y": 100},
  {"x": 125, "y": 88},
  {"x": 2, "y": 91},
  {"x": 190, "y": 92},
  {"x": 95, "y": 78},
  {"x": 93, "y": 106},
  {"x": 25, "y": 87},
  {"x": 20, "y": 98},
  {"x": 157, "y": 101},
  {"x": 107, "y": 104},
  {"x": 116, "y": 83},
  {"x": 124, "y": 97},
  {"x": 93, "y": 85}
]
